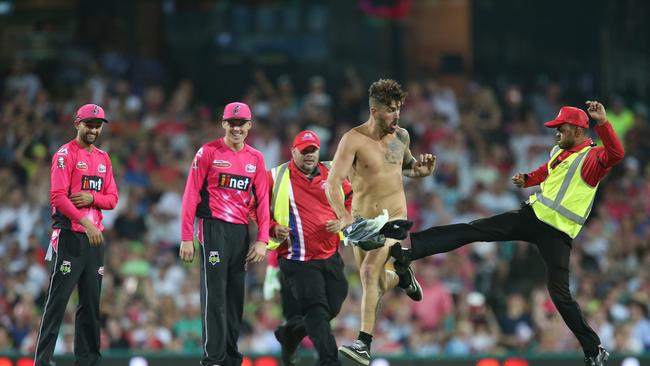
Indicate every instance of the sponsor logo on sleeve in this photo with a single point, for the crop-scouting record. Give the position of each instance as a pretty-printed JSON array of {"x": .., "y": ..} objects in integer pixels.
[
  {"x": 250, "y": 168},
  {"x": 232, "y": 181},
  {"x": 92, "y": 183},
  {"x": 60, "y": 162},
  {"x": 101, "y": 168},
  {"x": 66, "y": 267},
  {"x": 63, "y": 151},
  {"x": 223, "y": 164},
  {"x": 195, "y": 163},
  {"x": 82, "y": 165},
  {"x": 199, "y": 153},
  {"x": 213, "y": 258}
]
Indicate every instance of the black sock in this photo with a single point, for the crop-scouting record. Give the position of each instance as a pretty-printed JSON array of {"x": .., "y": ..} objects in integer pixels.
[
  {"x": 365, "y": 338},
  {"x": 402, "y": 256}
]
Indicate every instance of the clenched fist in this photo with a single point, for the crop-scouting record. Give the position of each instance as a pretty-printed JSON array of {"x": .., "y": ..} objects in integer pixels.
[
  {"x": 519, "y": 180},
  {"x": 596, "y": 111}
]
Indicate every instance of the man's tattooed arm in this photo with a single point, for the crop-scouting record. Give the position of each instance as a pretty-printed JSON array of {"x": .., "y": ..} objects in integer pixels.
[{"x": 409, "y": 161}]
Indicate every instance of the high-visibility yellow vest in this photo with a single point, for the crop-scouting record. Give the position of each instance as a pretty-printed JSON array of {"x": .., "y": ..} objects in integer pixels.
[
  {"x": 281, "y": 198},
  {"x": 565, "y": 200}
]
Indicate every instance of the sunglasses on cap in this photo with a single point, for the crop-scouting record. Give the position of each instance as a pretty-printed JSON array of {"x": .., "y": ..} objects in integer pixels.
[{"x": 237, "y": 122}]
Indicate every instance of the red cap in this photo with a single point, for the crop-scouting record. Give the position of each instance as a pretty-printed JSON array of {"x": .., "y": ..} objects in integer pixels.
[
  {"x": 89, "y": 112},
  {"x": 570, "y": 115},
  {"x": 306, "y": 139},
  {"x": 237, "y": 110}
]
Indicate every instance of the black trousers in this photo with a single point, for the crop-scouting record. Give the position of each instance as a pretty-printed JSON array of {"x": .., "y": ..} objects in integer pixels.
[
  {"x": 76, "y": 264},
  {"x": 312, "y": 294},
  {"x": 223, "y": 271},
  {"x": 522, "y": 224}
]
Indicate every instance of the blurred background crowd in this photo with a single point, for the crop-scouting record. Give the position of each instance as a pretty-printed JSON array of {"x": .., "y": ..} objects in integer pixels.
[{"x": 483, "y": 298}]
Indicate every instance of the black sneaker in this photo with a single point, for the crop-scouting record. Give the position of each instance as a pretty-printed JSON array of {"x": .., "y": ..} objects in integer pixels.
[
  {"x": 413, "y": 290},
  {"x": 407, "y": 281},
  {"x": 288, "y": 346},
  {"x": 357, "y": 352},
  {"x": 599, "y": 360}
]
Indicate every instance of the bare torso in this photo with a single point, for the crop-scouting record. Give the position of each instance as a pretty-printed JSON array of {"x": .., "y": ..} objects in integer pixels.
[{"x": 376, "y": 173}]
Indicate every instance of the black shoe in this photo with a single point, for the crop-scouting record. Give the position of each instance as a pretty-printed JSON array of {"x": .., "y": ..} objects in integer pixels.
[
  {"x": 599, "y": 360},
  {"x": 413, "y": 289},
  {"x": 407, "y": 280},
  {"x": 357, "y": 352},
  {"x": 288, "y": 346}
]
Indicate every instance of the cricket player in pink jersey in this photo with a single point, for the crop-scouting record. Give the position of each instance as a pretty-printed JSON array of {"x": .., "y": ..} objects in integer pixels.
[
  {"x": 225, "y": 175},
  {"x": 82, "y": 185}
]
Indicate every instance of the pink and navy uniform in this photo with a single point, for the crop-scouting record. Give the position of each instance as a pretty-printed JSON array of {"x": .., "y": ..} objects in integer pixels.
[
  {"x": 79, "y": 170},
  {"x": 221, "y": 184},
  {"x": 75, "y": 169}
]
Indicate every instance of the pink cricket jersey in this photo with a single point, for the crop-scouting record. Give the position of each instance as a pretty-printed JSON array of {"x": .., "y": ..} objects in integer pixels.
[
  {"x": 75, "y": 169},
  {"x": 221, "y": 183}
]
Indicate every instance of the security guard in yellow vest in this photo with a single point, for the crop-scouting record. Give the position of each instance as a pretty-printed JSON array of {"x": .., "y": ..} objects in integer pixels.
[
  {"x": 305, "y": 239},
  {"x": 550, "y": 218}
]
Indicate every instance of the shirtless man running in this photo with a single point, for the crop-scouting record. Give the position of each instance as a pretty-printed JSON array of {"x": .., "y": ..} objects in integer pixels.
[{"x": 375, "y": 156}]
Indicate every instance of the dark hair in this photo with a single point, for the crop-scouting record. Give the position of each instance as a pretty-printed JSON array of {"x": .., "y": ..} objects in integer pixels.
[{"x": 385, "y": 91}]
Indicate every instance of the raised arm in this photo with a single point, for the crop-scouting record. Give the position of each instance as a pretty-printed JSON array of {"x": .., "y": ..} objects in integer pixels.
[
  {"x": 613, "y": 151},
  {"x": 341, "y": 165},
  {"x": 409, "y": 161},
  {"x": 412, "y": 167}
]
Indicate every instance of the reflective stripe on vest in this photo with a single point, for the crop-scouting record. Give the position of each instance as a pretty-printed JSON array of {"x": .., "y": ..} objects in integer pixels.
[
  {"x": 277, "y": 173},
  {"x": 280, "y": 213},
  {"x": 555, "y": 206}
]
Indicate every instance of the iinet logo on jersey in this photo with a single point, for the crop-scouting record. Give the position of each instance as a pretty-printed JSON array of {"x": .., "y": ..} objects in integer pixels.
[
  {"x": 237, "y": 182},
  {"x": 91, "y": 183}
]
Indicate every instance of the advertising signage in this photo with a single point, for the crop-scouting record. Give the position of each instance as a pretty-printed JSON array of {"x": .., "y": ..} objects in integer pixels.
[{"x": 271, "y": 360}]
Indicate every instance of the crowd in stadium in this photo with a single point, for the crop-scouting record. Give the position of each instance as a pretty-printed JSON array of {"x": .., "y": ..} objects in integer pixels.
[{"x": 483, "y": 298}]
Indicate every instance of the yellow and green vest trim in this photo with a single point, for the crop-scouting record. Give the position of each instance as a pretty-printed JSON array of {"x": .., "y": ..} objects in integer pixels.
[{"x": 565, "y": 200}]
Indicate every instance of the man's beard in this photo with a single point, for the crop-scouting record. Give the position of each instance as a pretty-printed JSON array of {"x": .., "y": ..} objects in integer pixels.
[
  {"x": 87, "y": 139},
  {"x": 307, "y": 170},
  {"x": 388, "y": 129}
]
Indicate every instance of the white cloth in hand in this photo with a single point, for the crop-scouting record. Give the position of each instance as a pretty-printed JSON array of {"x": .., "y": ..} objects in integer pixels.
[
  {"x": 271, "y": 282},
  {"x": 364, "y": 233}
]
